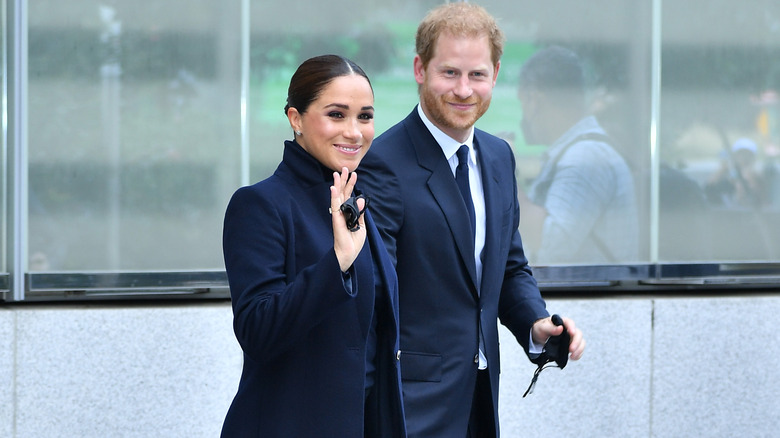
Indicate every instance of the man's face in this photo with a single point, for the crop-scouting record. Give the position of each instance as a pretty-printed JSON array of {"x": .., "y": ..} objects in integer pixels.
[{"x": 457, "y": 85}]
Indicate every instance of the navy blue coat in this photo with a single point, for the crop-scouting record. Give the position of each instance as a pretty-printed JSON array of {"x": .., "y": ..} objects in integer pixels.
[
  {"x": 425, "y": 225},
  {"x": 302, "y": 331}
]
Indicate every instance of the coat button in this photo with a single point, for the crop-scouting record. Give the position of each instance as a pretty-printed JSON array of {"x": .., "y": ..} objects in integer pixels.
[
  {"x": 398, "y": 355},
  {"x": 476, "y": 358}
]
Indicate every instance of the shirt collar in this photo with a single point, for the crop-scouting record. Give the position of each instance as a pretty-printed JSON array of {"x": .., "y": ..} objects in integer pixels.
[{"x": 448, "y": 144}]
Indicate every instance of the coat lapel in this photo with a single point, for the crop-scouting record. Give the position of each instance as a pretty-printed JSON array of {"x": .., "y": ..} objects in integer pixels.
[{"x": 445, "y": 191}]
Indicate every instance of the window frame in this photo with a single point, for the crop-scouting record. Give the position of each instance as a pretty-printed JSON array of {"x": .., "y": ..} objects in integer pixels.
[{"x": 20, "y": 285}]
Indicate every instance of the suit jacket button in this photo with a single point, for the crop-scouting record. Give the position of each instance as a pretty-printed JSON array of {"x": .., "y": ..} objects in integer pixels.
[{"x": 398, "y": 355}]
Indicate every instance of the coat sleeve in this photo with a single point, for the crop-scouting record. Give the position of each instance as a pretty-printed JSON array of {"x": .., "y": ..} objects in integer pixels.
[
  {"x": 520, "y": 304},
  {"x": 381, "y": 185},
  {"x": 273, "y": 306}
]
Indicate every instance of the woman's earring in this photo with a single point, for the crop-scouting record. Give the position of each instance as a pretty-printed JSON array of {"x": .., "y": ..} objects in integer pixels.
[{"x": 298, "y": 133}]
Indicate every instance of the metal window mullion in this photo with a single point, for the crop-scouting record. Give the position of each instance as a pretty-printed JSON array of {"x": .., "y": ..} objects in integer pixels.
[
  {"x": 4, "y": 181},
  {"x": 17, "y": 110},
  {"x": 245, "y": 72},
  {"x": 655, "y": 116}
]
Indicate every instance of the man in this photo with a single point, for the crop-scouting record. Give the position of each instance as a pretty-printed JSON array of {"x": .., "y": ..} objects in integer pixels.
[
  {"x": 459, "y": 270},
  {"x": 582, "y": 207}
]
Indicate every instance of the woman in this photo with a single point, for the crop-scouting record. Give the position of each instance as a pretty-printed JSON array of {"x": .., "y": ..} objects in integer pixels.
[{"x": 314, "y": 303}]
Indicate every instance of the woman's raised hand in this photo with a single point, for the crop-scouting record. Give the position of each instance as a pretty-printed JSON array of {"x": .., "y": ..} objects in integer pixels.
[{"x": 346, "y": 243}]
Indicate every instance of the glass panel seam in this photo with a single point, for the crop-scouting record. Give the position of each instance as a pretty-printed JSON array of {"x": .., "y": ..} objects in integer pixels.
[
  {"x": 245, "y": 38},
  {"x": 655, "y": 106},
  {"x": 18, "y": 143}
]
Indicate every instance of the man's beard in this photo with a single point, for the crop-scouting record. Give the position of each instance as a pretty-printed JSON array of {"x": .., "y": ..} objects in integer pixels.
[{"x": 442, "y": 115}]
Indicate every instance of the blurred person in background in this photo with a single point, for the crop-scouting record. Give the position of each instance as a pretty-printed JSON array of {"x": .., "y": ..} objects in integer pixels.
[
  {"x": 739, "y": 181},
  {"x": 581, "y": 207}
]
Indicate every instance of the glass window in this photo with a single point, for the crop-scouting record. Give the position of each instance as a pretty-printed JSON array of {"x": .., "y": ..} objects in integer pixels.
[
  {"x": 718, "y": 139},
  {"x": 647, "y": 134},
  {"x": 573, "y": 98},
  {"x": 134, "y": 129}
]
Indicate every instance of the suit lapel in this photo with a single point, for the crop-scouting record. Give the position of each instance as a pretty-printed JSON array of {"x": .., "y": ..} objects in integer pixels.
[{"x": 445, "y": 191}]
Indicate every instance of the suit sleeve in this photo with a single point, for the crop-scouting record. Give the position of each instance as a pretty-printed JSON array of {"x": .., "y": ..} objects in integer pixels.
[
  {"x": 381, "y": 185},
  {"x": 521, "y": 304},
  {"x": 273, "y": 306}
]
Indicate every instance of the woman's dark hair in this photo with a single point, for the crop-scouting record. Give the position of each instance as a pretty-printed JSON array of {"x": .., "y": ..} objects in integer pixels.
[{"x": 313, "y": 75}]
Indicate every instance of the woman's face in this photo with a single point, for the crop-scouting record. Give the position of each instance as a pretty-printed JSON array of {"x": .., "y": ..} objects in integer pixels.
[{"x": 337, "y": 129}]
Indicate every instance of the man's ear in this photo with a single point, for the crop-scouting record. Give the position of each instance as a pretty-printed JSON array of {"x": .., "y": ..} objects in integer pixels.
[
  {"x": 419, "y": 70},
  {"x": 495, "y": 73}
]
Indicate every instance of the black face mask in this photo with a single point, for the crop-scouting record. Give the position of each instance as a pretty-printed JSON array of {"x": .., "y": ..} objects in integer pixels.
[
  {"x": 556, "y": 349},
  {"x": 352, "y": 213}
]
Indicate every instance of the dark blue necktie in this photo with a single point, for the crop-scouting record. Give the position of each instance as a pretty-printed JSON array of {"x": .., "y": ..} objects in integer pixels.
[{"x": 462, "y": 178}]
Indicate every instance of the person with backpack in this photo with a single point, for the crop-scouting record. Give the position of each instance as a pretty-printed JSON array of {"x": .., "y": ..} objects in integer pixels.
[{"x": 581, "y": 207}]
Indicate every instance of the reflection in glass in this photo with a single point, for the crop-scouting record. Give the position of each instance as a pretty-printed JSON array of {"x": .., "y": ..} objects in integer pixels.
[
  {"x": 134, "y": 132},
  {"x": 582, "y": 204},
  {"x": 613, "y": 47},
  {"x": 135, "y": 117},
  {"x": 719, "y": 131}
]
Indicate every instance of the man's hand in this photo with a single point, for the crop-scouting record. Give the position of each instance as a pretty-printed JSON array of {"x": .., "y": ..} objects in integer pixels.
[{"x": 544, "y": 328}]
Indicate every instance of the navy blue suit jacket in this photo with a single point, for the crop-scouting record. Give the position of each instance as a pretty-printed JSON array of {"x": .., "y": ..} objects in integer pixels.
[
  {"x": 425, "y": 225},
  {"x": 302, "y": 331}
]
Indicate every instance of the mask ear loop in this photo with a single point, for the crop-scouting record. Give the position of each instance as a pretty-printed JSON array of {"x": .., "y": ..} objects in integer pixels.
[{"x": 538, "y": 371}]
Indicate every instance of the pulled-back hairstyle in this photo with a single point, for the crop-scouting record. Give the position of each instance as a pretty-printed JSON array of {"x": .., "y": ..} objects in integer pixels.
[
  {"x": 460, "y": 20},
  {"x": 313, "y": 75}
]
